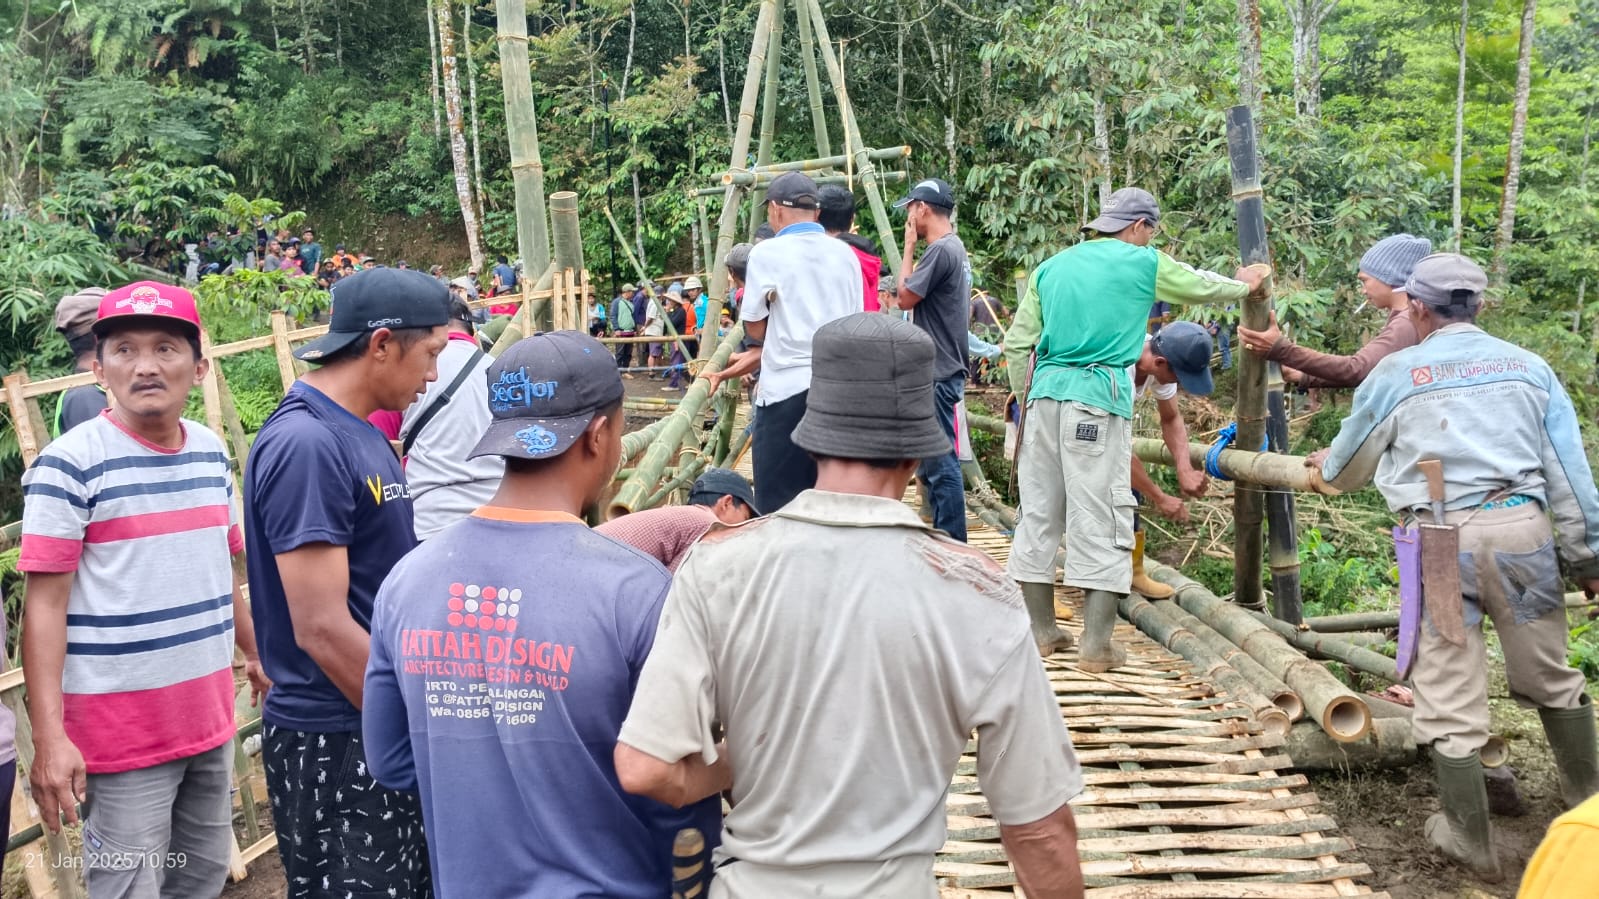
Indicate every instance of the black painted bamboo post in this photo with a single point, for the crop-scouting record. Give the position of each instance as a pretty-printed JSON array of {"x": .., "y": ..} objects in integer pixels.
[{"x": 1260, "y": 411}]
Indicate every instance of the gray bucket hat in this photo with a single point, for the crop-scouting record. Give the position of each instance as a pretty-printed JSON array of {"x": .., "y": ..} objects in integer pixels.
[{"x": 871, "y": 391}]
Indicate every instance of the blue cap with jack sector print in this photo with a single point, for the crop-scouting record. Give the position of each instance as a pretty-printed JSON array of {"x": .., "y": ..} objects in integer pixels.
[{"x": 544, "y": 391}]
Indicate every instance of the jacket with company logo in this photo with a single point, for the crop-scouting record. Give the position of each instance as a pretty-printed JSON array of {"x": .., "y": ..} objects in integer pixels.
[{"x": 1493, "y": 413}]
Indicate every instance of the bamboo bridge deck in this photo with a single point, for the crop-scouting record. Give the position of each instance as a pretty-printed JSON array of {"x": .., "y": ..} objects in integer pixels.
[{"x": 1184, "y": 798}]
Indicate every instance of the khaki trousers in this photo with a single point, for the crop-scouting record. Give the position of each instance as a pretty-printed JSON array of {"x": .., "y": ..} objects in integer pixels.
[
  {"x": 1508, "y": 571},
  {"x": 1074, "y": 473}
]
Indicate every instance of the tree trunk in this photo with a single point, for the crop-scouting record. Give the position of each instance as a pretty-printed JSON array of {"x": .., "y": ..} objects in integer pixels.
[
  {"x": 1102, "y": 146},
  {"x": 1307, "y": 17},
  {"x": 458, "y": 153},
  {"x": 1249, "y": 86},
  {"x": 721, "y": 71},
  {"x": 433, "y": 61},
  {"x": 338, "y": 34},
  {"x": 1460, "y": 122},
  {"x": 471, "y": 87},
  {"x": 522, "y": 129},
  {"x": 1505, "y": 234},
  {"x": 309, "y": 64},
  {"x": 638, "y": 216}
]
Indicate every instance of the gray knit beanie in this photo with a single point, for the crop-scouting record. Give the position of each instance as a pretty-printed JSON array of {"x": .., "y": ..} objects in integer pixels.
[{"x": 1392, "y": 259}]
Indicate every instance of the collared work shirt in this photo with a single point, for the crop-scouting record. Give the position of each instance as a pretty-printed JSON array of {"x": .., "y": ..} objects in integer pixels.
[
  {"x": 848, "y": 691},
  {"x": 1493, "y": 413}
]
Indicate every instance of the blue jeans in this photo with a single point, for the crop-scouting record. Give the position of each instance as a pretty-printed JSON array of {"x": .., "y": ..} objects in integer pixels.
[{"x": 942, "y": 474}]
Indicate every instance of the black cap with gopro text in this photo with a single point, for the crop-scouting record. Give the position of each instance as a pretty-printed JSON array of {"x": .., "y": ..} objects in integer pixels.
[{"x": 379, "y": 298}]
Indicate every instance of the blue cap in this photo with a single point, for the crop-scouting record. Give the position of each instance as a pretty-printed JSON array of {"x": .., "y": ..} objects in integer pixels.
[
  {"x": 543, "y": 392},
  {"x": 1186, "y": 347}
]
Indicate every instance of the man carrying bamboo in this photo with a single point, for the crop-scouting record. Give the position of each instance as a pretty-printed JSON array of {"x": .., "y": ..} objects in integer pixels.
[
  {"x": 1085, "y": 312},
  {"x": 1498, "y": 423}
]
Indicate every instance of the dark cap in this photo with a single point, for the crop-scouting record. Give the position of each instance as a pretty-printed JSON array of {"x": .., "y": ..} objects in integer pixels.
[
  {"x": 1447, "y": 279},
  {"x": 1125, "y": 207},
  {"x": 871, "y": 393},
  {"x": 1186, "y": 347},
  {"x": 719, "y": 482},
  {"x": 793, "y": 189},
  {"x": 544, "y": 391},
  {"x": 379, "y": 298},
  {"x": 933, "y": 192}
]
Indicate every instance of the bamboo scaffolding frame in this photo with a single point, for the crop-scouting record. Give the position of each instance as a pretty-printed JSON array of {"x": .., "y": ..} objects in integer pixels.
[
  {"x": 761, "y": 182},
  {"x": 763, "y": 150},
  {"x": 727, "y": 223}
]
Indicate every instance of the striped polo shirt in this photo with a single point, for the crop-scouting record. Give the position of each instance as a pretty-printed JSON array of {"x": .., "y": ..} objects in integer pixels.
[{"x": 147, "y": 532}]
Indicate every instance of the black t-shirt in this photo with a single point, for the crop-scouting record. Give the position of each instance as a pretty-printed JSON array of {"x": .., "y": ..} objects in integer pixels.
[{"x": 943, "y": 279}]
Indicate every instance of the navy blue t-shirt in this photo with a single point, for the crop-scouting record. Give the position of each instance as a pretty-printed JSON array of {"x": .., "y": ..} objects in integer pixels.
[
  {"x": 507, "y": 276},
  {"x": 318, "y": 474},
  {"x": 505, "y": 653}
]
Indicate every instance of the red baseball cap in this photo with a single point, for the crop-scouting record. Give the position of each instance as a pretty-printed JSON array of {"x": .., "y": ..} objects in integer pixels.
[{"x": 147, "y": 299}]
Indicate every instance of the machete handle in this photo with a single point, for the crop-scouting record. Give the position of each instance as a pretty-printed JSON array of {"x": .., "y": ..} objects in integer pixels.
[{"x": 1433, "y": 469}]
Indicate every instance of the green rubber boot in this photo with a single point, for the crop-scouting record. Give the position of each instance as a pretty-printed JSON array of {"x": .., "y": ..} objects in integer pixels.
[
  {"x": 1040, "y": 601},
  {"x": 1463, "y": 831},
  {"x": 1100, "y": 652},
  {"x": 1573, "y": 743}
]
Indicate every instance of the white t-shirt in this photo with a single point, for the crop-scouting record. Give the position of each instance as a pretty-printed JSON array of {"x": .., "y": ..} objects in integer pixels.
[
  {"x": 446, "y": 486},
  {"x": 798, "y": 281},
  {"x": 1162, "y": 391}
]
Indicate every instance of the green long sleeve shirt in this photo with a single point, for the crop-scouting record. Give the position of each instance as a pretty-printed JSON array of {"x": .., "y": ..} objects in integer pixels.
[{"x": 1086, "y": 311}]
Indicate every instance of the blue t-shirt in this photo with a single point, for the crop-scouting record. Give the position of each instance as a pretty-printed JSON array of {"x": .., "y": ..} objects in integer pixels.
[
  {"x": 701, "y": 303},
  {"x": 507, "y": 276},
  {"x": 318, "y": 474},
  {"x": 505, "y": 653}
]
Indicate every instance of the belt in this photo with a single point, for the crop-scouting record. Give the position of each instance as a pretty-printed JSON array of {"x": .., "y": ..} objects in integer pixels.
[{"x": 1509, "y": 502}]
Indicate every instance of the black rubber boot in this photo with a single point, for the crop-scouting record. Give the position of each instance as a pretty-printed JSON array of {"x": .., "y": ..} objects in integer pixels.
[
  {"x": 1572, "y": 741},
  {"x": 1100, "y": 652},
  {"x": 1463, "y": 831},
  {"x": 1040, "y": 601}
]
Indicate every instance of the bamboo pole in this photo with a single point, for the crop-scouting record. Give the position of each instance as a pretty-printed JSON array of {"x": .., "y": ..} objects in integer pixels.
[
  {"x": 1334, "y": 706},
  {"x": 1328, "y": 646},
  {"x": 813, "y": 84},
  {"x": 762, "y": 180},
  {"x": 1250, "y": 409},
  {"x": 280, "y": 346},
  {"x": 860, "y": 155},
  {"x": 567, "y": 232},
  {"x": 638, "y": 441},
  {"x": 1267, "y": 683},
  {"x": 686, "y": 474},
  {"x": 1389, "y": 745},
  {"x": 709, "y": 246},
  {"x": 728, "y": 221},
  {"x": 1282, "y": 529},
  {"x": 522, "y": 129},
  {"x": 28, "y": 440},
  {"x": 57, "y": 856},
  {"x": 635, "y": 492},
  {"x": 819, "y": 165},
  {"x": 1154, "y": 621},
  {"x": 1264, "y": 469},
  {"x": 763, "y": 151},
  {"x": 209, "y": 393}
]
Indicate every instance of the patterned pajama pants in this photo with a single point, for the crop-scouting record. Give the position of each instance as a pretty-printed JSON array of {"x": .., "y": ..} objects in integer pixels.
[{"x": 341, "y": 835}]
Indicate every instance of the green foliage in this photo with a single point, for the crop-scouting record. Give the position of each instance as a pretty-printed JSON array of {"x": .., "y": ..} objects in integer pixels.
[
  {"x": 1333, "y": 581},
  {"x": 1582, "y": 651}
]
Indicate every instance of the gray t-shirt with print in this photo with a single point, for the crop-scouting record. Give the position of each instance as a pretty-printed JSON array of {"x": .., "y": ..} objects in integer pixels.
[{"x": 943, "y": 279}]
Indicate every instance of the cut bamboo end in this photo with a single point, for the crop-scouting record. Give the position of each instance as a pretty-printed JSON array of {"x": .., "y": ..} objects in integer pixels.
[
  {"x": 1290, "y": 703},
  {"x": 1346, "y": 719},
  {"x": 1495, "y": 752},
  {"x": 1274, "y": 721}
]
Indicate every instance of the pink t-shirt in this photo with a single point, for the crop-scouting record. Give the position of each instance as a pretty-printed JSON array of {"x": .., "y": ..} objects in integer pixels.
[{"x": 666, "y": 533}]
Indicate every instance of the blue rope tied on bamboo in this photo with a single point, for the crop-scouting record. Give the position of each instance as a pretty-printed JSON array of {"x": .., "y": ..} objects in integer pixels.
[{"x": 1224, "y": 440}]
